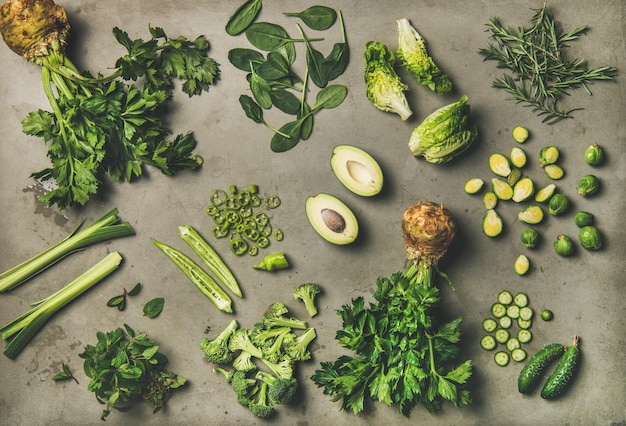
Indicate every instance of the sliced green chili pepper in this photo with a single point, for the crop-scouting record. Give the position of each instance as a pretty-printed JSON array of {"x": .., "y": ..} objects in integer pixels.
[
  {"x": 246, "y": 211},
  {"x": 251, "y": 233},
  {"x": 254, "y": 189},
  {"x": 211, "y": 210},
  {"x": 232, "y": 216},
  {"x": 219, "y": 217},
  {"x": 218, "y": 197},
  {"x": 244, "y": 197},
  {"x": 219, "y": 231},
  {"x": 263, "y": 242},
  {"x": 232, "y": 189},
  {"x": 272, "y": 262},
  {"x": 261, "y": 218},
  {"x": 266, "y": 230},
  {"x": 272, "y": 202},
  {"x": 253, "y": 250},
  {"x": 239, "y": 246},
  {"x": 278, "y": 235},
  {"x": 255, "y": 201}
]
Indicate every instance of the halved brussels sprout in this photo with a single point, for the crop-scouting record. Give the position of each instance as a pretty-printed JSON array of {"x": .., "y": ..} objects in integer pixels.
[{"x": 548, "y": 155}]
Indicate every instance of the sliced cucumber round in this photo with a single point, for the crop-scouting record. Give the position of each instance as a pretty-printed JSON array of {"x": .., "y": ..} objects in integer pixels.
[
  {"x": 501, "y": 358},
  {"x": 490, "y": 325},
  {"x": 524, "y": 336},
  {"x": 505, "y": 322},
  {"x": 512, "y": 311},
  {"x": 502, "y": 335},
  {"x": 498, "y": 310},
  {"x": 512, "y": 344},
  {"x": 488, "y": 343},
  {"x": 505, "y": 297},
  {"x": 521, "y": 300},
  {"x": 518, "y": 354},
  {"x": 526, "y": 313}
]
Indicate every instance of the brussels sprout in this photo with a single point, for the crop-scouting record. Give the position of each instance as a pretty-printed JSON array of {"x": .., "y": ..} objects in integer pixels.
[
  {"x": 521, "y": 265},
  {"x": 499, "y": 164},
  {"x": 531, "y": 215},
  {"x": 547, "y": 315},
  {"x": 492, "y": 223},
  {"x": 564, "y": 245},
  {"x": 514, "y": 177},
  {"x": 554, "y": 171},
  {"x": 558, "y": 204},
  {"x": 583, "y": 219},
  {"x": 529, "y": 237},
  {"x": 474, "y": 185},
  {"x": 518, "y": 157},
  {"x": 523, "y": 190},
  {"x": 490, "y": 200},
  {"x": 502, "y": 189},
  {"x": 548, "y": 155},
  {"x": 545, "y": 193},
  {"x": 588, "y": 185},
  {"x": 520, "y": 134},
  {"x": 590, "y": 238},
  {"x": 594, "y": 155}
]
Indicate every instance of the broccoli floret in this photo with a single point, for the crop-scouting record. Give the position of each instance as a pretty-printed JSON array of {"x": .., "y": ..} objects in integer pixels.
[
  {"x": 243, "y": 362},
  {"x": 281, "y": 390},
  {"x": 297, "y": 349},
  {"x": 216, "y": 350},
  {"x": 240, "y": 340},
  {"x": 414, "y": 56},
  {"x": 261, "y": 406},
  {"x": 283, "y": 368},
  {"x": 244, "y": 387},
  {"x": 261, "y": 336},
  {"x": 275, "y": 316},
  {"x": 274, "y": 352},
  {"x": 228, "y": 374},
  {"x": 383, "y": 85},
  {"x": 306, "y": 293}
]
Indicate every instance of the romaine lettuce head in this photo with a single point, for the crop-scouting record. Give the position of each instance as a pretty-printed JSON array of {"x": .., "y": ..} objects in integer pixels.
[{"x": 444, "y": 134}]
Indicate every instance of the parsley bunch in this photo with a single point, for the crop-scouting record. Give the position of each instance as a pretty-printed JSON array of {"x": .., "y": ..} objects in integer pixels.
[
  {"x": 113, "y": 124},
  {"x": 405, "y": 354}
]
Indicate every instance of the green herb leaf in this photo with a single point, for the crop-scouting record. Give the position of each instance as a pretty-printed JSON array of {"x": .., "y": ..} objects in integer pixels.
[
  {"x": 66, "y": 374},
  {"x": 153, "y": 307},
  {"x": 243, "y": 17},
  {"x": 135, "y": 290},
  {"x": 244, "y": 59},
  {"x": 316, "y": 17}
]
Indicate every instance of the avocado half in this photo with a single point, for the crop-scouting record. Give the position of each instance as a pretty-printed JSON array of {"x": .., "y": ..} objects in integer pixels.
[
  {"x": 357, "y": 170},
  {"x": 332, "y": 219}
]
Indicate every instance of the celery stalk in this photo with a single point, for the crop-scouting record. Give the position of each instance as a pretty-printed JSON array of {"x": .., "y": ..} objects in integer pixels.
[
  {"x": 107, "y": 227},
  {"x": 24, "y": 327}
]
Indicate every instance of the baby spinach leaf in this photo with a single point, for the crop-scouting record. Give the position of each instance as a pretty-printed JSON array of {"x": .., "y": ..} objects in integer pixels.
[
  {"x": 242, "y": 58},
  {"x": 316, "y": 17},
  {"x": 245, "y": 14},
  {"x": 266, "y": 36},
  {"x": 153, "y": 307},
  {"x": 260, "y": 90},
  {"x": 280, "y": 143},
  {"x": 307, "y": 122},
  {"x": 336, "y": 62},
  {"x": 285, "y": 101},
  {"x": 252, "y": 109},
  {"x": 330, "y": 97}
]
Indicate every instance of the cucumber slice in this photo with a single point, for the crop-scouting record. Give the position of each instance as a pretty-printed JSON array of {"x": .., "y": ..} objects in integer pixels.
[
  {"x": 488, "y": 343},
  {"x": 524, "y": 324},
  {"x": 489, "y": 325},
  {"x": 498, "y": 310},
  {"x": 518, "y": 354},
  {"x": 524, "y": 336},
  {"x": 526, "y": 313},
  {"x": 512, "y": 344},
  {"x": 505, "y": 322},
  {"x": 505, "y": 297},
  {"x": 512, "y": 311},
  {"x": 502, "y": 335},
  {"x": 521, "y": 300},
  {"x": 501, "y": 358}
]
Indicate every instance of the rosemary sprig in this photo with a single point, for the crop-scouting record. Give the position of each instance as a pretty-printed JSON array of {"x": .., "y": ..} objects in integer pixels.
[{"x": 541, "y": 73}]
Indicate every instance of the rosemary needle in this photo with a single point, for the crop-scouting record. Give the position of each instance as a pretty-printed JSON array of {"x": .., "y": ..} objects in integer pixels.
[{"x": 540, "y": 72}]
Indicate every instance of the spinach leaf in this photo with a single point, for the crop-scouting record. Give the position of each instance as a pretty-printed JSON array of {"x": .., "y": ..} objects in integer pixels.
[
  {"x": 266, "y": 36},
  {"x": 242, "y": 58},
  {"x": 153, "y": 307},
  {"x": 243, "y": 17},
  {"x": 292, "y": 129},
  {"x": 316, "y": 17},
  {"x": 260, "y": 90},
  {"x": 252, "y": 109},
  {"x": 330, "y": 97},
  {"x": 285, "y": 101},
  {"x": 307, "y": 121}
]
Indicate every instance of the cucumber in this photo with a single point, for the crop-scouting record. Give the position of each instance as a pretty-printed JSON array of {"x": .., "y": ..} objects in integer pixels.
[
  {"x": 526, "y": 313},
  {"x": 501, "y": 358},
  {"x": 524, "y": 324},
  {"x": 513, "y": 343},
  {"x": 518, "y": 354},
  {"x": 533, "y": 370},
  {"x": 505, "y": 297},
  {"x": 513, "y": 311},
  {"x": 524, "y": 335},
  {"x": 489, "y": 325},
  {"x": 505, "y": 322},
  {"x": 488, "y": 343},
  {"x": 502, "y": 335},
  {"x": 498, "y": 310},
  {"x": 562, "y": 375},
  {"x": 520, "y": 300}
]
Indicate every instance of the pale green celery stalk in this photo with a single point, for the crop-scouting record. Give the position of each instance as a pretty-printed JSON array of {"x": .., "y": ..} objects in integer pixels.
[
  {"x": 24, "y": 327},
  {"x": 108, "y": 227}
]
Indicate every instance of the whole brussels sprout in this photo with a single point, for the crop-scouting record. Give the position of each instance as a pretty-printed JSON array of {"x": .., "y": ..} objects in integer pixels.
[
  {"x": 594, "y": 155},
  {"x": 558, "y": 204},
  {"x": 590, "y": 238},
  {"x": 529, "y": 237},
  {"x": 564, "y": 245},
  {"x": 583, "y": 218},
  {"x": 587, "y": 185}
]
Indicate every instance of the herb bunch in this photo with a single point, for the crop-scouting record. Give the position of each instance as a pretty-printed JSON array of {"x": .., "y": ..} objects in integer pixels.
[
  {"x": 541, "y": 73},
  {"x": 113, "y": 124},
  {"x": 126, "y": 366},
  {"x": 272, "y": 80},
  {"x": 405, "y": 354}
]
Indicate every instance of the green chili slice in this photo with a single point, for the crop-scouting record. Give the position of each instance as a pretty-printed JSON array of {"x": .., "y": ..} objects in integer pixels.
[
  {"x": 251, "y": 233},
  {"x": 211, "y": 210},
  {"x": 244, "y": 198},
  {"x": 272, "y": 201},
  {"x": 253, "y": 250},
  {"x": 278, "y": 235},
  {"x": 218, "y": 197},
  {"x": 263, "y": 242},
  {"x": 239, "y": 246},
  {"x": 255, "y": 200},
  {"x": 261, "y": 218},
  {"x": 219, "y": 231}
]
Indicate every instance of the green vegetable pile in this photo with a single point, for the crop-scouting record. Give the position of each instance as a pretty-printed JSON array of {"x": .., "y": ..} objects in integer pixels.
[
  {"x": 271, "y": 73},
  {"x": 259, "y": 363},
  {"x": 126, "y": 366},
  {"x": 106, "y": 124}
]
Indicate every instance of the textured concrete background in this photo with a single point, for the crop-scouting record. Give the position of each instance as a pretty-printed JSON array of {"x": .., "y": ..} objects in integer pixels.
[{"x": 585, "y": 291}]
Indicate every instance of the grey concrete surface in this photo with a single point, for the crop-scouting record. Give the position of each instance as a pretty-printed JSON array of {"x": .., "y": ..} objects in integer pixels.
[{"x": 584, "y": 291}]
